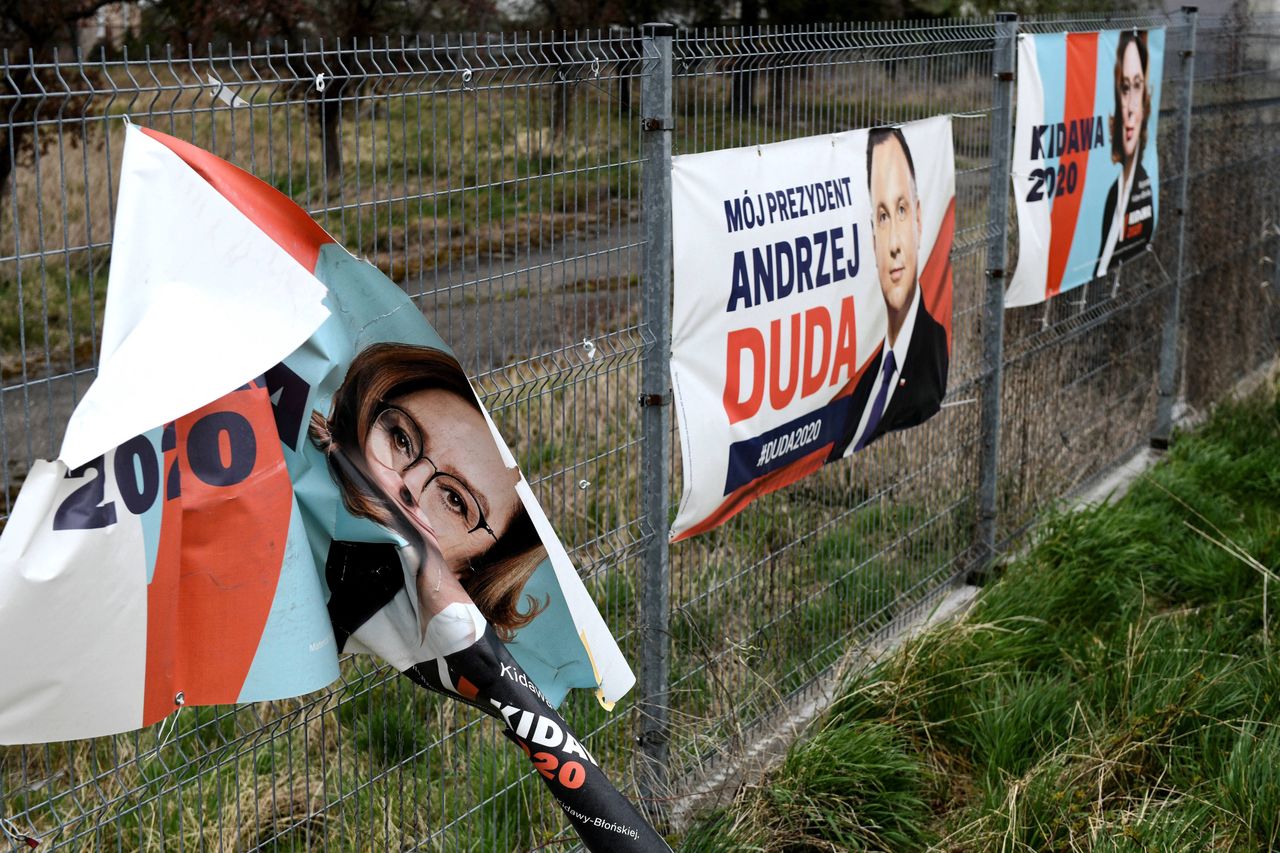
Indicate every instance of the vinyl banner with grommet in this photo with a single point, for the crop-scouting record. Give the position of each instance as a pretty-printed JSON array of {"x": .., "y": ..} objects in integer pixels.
[
  {"x": 1086, "y": 176},
  {"x": 812, "y": 311},
  {"x": 279, "y": 461}
]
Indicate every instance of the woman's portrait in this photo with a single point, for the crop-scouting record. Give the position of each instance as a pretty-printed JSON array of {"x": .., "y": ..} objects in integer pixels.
[
  {"x": 1129, "y": 215},
  {"x": 410, "y": 449}
]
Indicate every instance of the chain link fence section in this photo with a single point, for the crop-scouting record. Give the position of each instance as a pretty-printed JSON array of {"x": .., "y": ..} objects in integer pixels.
[{"x": 498, "y": 179}]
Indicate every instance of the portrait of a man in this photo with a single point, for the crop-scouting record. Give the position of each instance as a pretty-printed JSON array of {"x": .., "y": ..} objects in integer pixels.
[{"x": 907, "y": 378}]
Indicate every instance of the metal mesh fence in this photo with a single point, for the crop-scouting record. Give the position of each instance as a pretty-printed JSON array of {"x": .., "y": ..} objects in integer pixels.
[
  {"x": 498, "y": 180},
  {"x": 1233, "y": 247},
  {"x": 767, "y": 603},
  {"x": 1078, "y": 392}
]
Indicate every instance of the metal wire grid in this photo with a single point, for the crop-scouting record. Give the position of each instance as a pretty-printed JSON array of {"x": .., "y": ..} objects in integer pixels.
[
  {"x": 1078, "y": 393},
  {"x": 1232, "y": 307},
  {"x": 1094, "y": 354},
  {"x": 771, "y": 600},
  {"x": 496, "y": 178}
]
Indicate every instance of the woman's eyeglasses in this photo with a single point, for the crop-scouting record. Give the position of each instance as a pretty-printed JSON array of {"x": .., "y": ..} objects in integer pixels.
[{"x": 396, "y": 443}]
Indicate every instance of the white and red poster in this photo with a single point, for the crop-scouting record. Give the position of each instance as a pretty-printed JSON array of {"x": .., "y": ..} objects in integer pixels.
[
  {"x": 812, "y": 311},
  {"x": 280, "y": 460},
  {"x": 1086, "y": 176}
]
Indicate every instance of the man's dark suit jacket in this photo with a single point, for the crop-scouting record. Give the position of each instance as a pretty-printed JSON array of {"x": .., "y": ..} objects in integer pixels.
[
  {"x": 1140, "y": 195},
  {"x": 922, "y": 383}
]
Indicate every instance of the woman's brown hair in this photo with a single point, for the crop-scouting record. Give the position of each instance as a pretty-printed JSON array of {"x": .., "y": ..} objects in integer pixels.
[
  {"x": 383, "y": 372},
  {"x": 1139, "y": 40}
]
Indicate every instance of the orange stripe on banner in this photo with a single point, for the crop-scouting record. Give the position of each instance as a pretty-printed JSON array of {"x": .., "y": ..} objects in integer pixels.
[
  {"x": 1082, "y": 69},
  {"x": 935, "y": 277},
  {"x": 741, "y": 497},
  {"x": 268, "y": 208},
  {"x": 227, "y": 502},
  {"x": 466, "y": 689},
  {"x": 758, "y": 488}
]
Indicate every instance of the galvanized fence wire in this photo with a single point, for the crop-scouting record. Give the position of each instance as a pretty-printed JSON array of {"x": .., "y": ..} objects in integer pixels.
[
  {"x": 1233, "y": 250},
  {"x": 498, "y": 179},
  {"x": 495, "y": 179},
  {"x": 769, "y": 602},
  {"x": 1077, "y": 392}
]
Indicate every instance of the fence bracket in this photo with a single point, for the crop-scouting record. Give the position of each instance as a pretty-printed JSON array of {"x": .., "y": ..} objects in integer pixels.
[
  {"x": 655, "y": 400},
  {"x": 653, "y": 738},
  {"x": 654, "y": 123}
]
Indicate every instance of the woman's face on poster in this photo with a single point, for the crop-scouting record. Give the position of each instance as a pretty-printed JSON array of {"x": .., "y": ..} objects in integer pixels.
[
  {"x": 432, "y": 453},
  {"x": 1132, "y": 87}
]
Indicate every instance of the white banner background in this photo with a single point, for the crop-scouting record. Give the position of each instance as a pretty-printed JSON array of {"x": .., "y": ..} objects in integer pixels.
[{"x": 704, "y": 249}]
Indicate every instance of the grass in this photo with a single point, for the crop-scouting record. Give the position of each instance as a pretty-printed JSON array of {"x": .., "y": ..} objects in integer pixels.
[
  {"x": 376, "y": 763},
  {"x": 1116, "y": 689},
  {"x": 54, "y": 326}
]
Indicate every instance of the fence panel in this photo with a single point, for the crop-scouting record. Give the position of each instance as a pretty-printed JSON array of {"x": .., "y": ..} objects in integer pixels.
[
  {"x": 1079, "y": 393},
  {"x": 1233, "y": 242},
  {"x": 498, "y": 179},
  {"x": 764, "y": 605}
]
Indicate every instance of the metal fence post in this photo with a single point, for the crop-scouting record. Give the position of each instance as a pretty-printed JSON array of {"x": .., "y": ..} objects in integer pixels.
[
  {"x": 1169, "y": 349},
  {"x": 1002, "y": 65},
  {"x": 655, "y": 403}
]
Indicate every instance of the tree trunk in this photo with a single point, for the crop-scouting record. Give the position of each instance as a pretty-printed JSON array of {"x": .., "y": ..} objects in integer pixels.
[
  {"x": 6, "y": 160},
  {"x": 742, "y": 91},
  {"x": 331, "y": 133},
  {"x": 562, "y": 88}
]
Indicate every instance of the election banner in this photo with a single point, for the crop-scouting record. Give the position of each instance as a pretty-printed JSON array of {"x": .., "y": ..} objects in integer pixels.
[
  {"x": 812, "y": 310},
  {"x": 280, "y": 460},
  {"x": 1085, "y": 171}
]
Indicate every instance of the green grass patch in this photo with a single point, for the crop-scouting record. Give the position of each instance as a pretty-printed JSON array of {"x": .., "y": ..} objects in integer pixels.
[
  {"x": 50, "y": 320},
  {"x": 1117, "y": 688}
]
